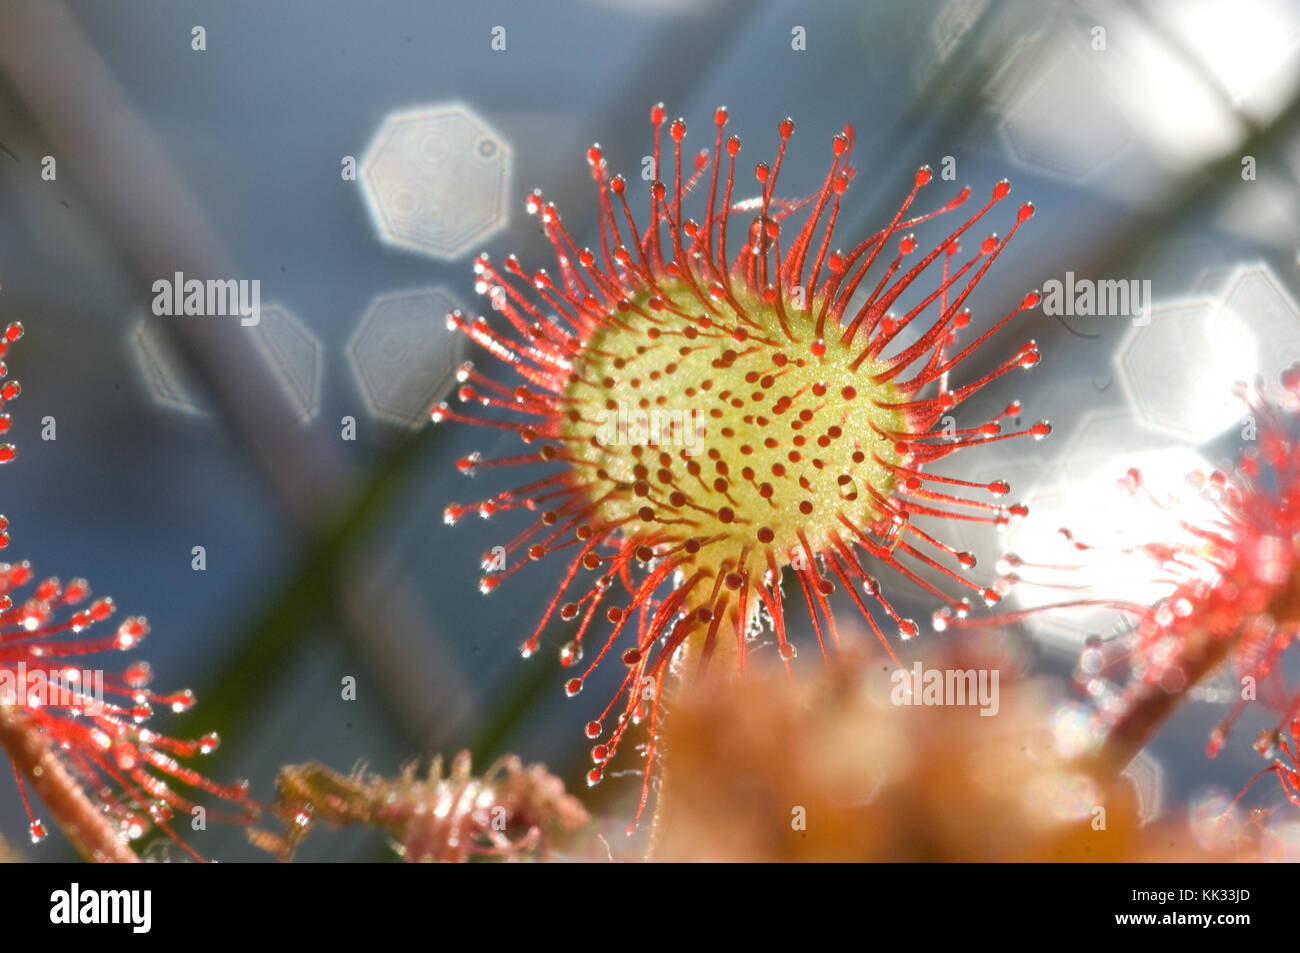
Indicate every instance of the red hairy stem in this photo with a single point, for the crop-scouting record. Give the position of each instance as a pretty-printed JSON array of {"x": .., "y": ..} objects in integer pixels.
[
  {"x": 90, "y": 829},
  {"x": 1150, "y": 706}
]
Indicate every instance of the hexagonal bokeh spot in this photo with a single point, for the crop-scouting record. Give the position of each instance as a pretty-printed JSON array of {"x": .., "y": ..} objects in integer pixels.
[
  {"x": 1248, "y": 49},
  {"x": 1178, "y": 370},
  {"x": 949, "y": 25},
  {"x": 294, "y": 354},
  {"x": 1034, "y": 539},
  {"x": 402, "y": 354},
  {"x": 1068, "y": 124},
  {"x": 160, "y": 368},
  {"x": 1025, "y": 464},
  {"x": 1028, "y": 465},
  {"x": 1256, "y": 297},
  {"x": 436, "y": 180},
  {"x": 1186, "y": 267},
  {"x": 1087, "y": 500},
  {"x": 1146, "y": 775}
]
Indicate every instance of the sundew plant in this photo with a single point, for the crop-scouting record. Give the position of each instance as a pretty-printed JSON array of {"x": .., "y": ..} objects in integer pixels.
[{"x": 617, "y": 430}]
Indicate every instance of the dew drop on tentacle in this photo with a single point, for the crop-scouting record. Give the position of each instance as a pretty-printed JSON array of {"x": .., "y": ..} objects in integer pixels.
[{"x": 570, "y": 653}]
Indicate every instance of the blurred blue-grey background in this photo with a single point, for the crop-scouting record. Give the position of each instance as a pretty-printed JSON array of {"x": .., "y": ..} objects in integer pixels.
[{"x": 1127, "y": 124}]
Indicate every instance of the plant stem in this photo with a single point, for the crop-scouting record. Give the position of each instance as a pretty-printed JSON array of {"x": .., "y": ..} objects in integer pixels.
[
  {"x": 90, "y": 830},
  {"x": 1150, "y": 704},
  {"x": 688, "y": 678}
]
